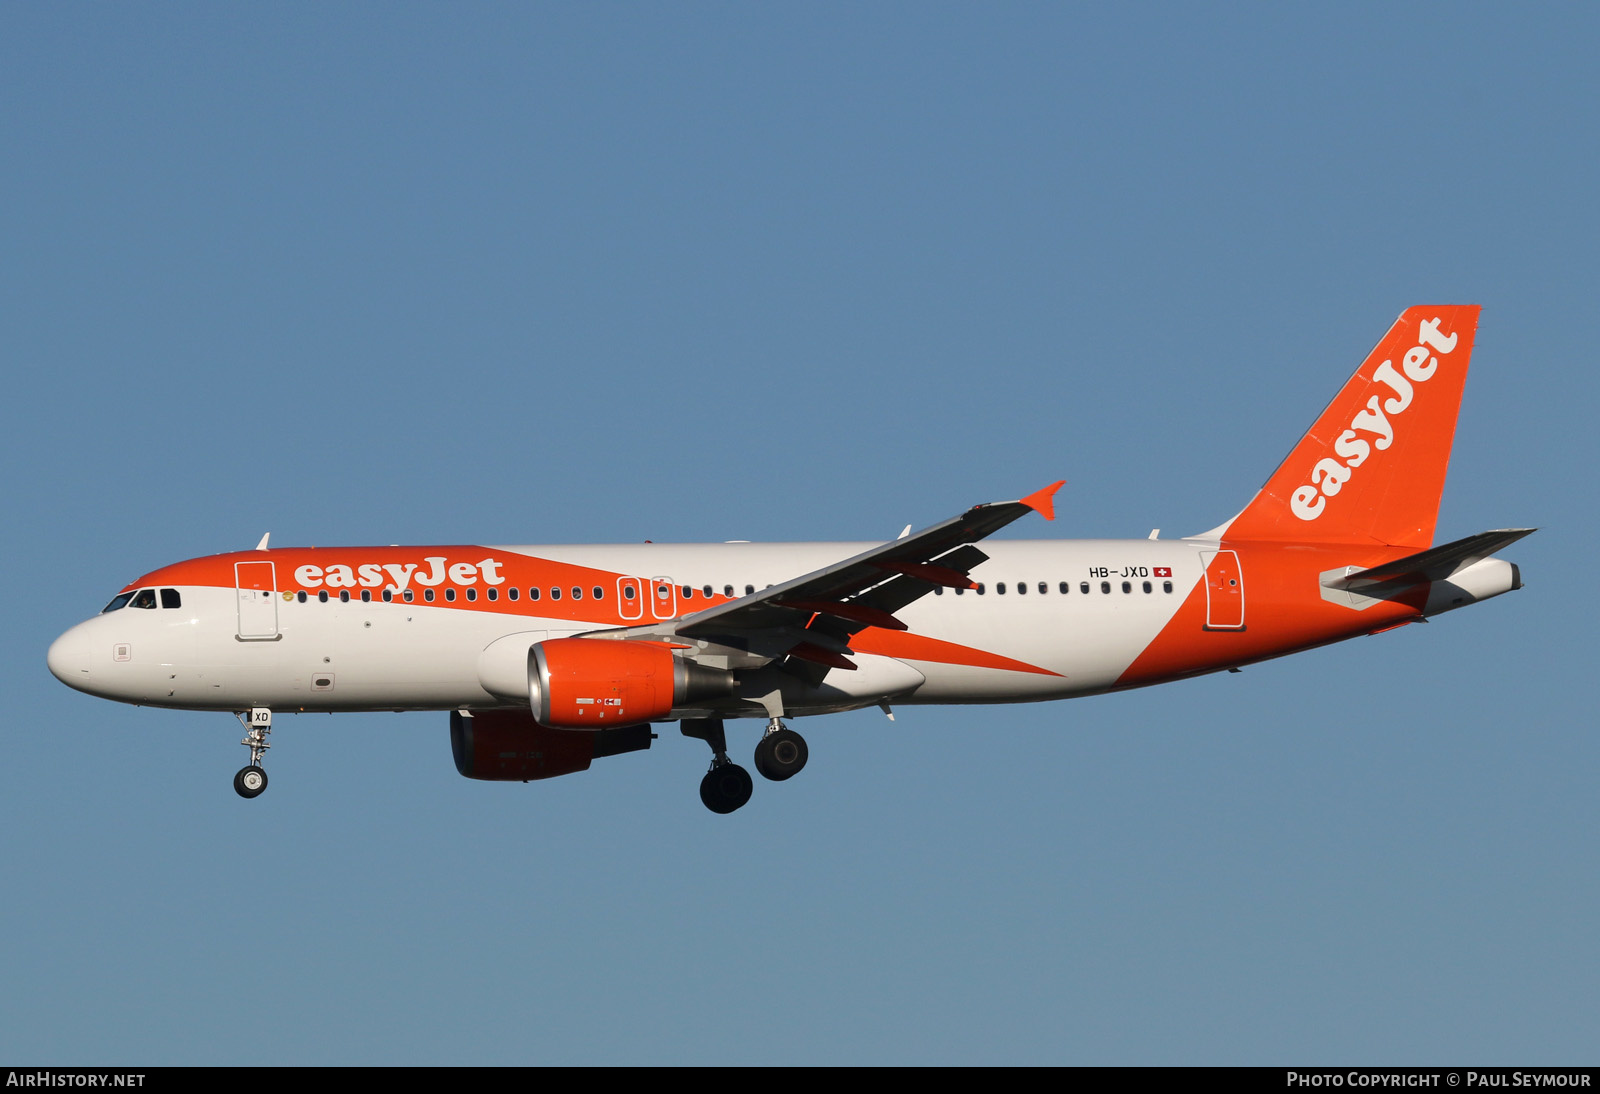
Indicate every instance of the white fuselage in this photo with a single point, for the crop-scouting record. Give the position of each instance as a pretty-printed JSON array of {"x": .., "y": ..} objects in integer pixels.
[{"x": 326, "y": 655}]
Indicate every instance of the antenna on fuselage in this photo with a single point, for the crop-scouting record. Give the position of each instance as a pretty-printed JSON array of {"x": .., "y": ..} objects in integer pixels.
[{"x": 262, "y": 546}]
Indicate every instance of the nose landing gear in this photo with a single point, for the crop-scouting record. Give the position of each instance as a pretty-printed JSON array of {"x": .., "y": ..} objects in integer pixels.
[{"x": 252, "y": 780}]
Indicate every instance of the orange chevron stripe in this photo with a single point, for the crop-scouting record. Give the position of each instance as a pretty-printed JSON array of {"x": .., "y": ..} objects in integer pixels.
[{"x": 916, "y": 647}]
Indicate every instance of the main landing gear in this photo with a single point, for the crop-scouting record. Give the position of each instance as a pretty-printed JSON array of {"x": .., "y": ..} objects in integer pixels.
[
  {"x": 727, "y": 786},
  {"x": 252, "y": 780},
  {"x": 781, "y": 753}
]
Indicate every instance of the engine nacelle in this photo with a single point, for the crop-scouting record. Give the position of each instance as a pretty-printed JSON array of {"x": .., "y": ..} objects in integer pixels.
[
  {"x": 597, "y": 683},
  {"x": 509, "y": 746}
]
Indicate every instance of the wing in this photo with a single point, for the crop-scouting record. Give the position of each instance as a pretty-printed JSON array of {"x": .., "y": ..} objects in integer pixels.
[{"x": 812, "y": 617}]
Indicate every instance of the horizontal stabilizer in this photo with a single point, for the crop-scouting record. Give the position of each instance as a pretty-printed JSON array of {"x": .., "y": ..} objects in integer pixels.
[{"x": 1436, "y": 563}]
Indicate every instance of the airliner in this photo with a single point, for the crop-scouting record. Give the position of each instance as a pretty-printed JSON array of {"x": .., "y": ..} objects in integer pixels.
[{"x": 547, "y": 658}]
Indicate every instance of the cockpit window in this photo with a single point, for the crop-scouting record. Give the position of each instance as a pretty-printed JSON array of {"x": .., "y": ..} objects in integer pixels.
[
  {"x": 144, "y": 598},
  {"x": 118, "y": 601},
  {"x": 171, "y": 599}
]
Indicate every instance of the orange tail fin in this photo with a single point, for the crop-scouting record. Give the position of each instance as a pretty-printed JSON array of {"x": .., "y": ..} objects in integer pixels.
[{"x": 1372, "y": 467}]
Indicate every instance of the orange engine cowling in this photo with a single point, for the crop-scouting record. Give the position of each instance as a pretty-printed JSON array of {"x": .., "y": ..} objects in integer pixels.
[
  {"x": 594, "y": 683},
  {"x": 509, "y": 746}
]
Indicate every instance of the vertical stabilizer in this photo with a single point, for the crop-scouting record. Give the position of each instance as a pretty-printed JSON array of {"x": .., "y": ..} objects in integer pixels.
[{"x": 1372, "y": 468}]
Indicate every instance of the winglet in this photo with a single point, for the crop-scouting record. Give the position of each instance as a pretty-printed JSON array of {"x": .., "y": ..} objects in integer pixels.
[
  {"x": 262, "y": 546},
  {"x": 1043, "y": 501}
]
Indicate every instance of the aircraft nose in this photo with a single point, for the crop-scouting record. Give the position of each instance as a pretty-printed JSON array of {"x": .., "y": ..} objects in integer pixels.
[{"x": 69, "y": 658}]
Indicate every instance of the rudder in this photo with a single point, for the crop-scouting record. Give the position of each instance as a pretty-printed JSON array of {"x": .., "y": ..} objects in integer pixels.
[{"x": 1372, "y": 467}]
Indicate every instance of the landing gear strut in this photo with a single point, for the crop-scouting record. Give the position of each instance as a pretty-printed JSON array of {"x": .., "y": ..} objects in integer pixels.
[
  {"x": 781, "y": 753},
  {"x": 252, "y": 780},
  {"x": 727, "y": 786}
]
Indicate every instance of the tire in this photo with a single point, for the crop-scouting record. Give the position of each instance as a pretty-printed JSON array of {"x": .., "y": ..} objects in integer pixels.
[
  {"x": 250, "y": 781},
  {"x": 781, "y": 755},
  {"x": 725, "y": 788}
]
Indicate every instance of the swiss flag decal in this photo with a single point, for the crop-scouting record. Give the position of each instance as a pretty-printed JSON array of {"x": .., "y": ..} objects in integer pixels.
[{"x": 1163, "y": 571}]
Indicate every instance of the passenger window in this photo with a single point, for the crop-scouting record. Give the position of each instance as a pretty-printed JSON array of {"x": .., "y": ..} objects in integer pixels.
[
  {"x": 1083, "y": 586},
  {"x": 427, "y": 594},
  {"x": 1166, "y": 586},
  {"x": 494, "y": 594},
  {"x": 627, "y": 592},
  {"x": 577, "y": 593},
  {"x": 1066, "y": 587},
  {"x": 727, "y": 590},
  {"x": 449, "y": 594},
  {"x": 1147, "y": 587},
  {"x": 388, "y": 595},
  {"x": 749, "y": 589},
  {"x": 533, "y": 592},
  {"x": 1022, "y": 587},
  {"x": 344, "y": 596},
  {"x": 408, "y": 596},
  {"x": 1000, "y": 589},
  {"x": 1127, "y": 586},
  {"x": 144, "y": 598},
  {"x": 300, "y": 596},
  {"x": 598, "y": 593},
  {"x": 170, "y": 599},
  {"x": 322, "y": 595},
  {"x": 938, "y": 590},
  {"x": 1105, "y": 586},
  {"x": 118, "y": 601},
  {"x": 555, "y": 592},
  {"x": 687, "y": 592},
  {"x": 472, "y": 594},
  {"x": 708, "y": 591},
  {"x": 366, "y": 596},
  {"x": 1044, "y": 587},
  {"x": 981, "y": 588}
]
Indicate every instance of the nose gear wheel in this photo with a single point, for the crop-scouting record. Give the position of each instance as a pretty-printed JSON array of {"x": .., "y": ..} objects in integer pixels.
[{"x": 250, "y": 781}]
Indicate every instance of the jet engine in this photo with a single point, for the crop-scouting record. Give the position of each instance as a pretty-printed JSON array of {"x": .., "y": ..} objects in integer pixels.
[
  {"x": 509, "y": 746},
  {"x": 592, "y": 683}
]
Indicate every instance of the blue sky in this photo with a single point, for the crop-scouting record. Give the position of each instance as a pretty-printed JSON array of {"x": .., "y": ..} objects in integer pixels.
[{"x": 520, "y": 273}]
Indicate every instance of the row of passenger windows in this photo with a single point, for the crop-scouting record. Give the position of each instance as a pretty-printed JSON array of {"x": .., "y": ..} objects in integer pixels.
[
  {"x": 1064, "y": 587},
  {"x": 707, "y": 591},
  {"x": 555, "y": 592},
  {"x": 169, "y": 598},
  {"x": 534, "y": 593},
  {"x": 144, "y": 598}
]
